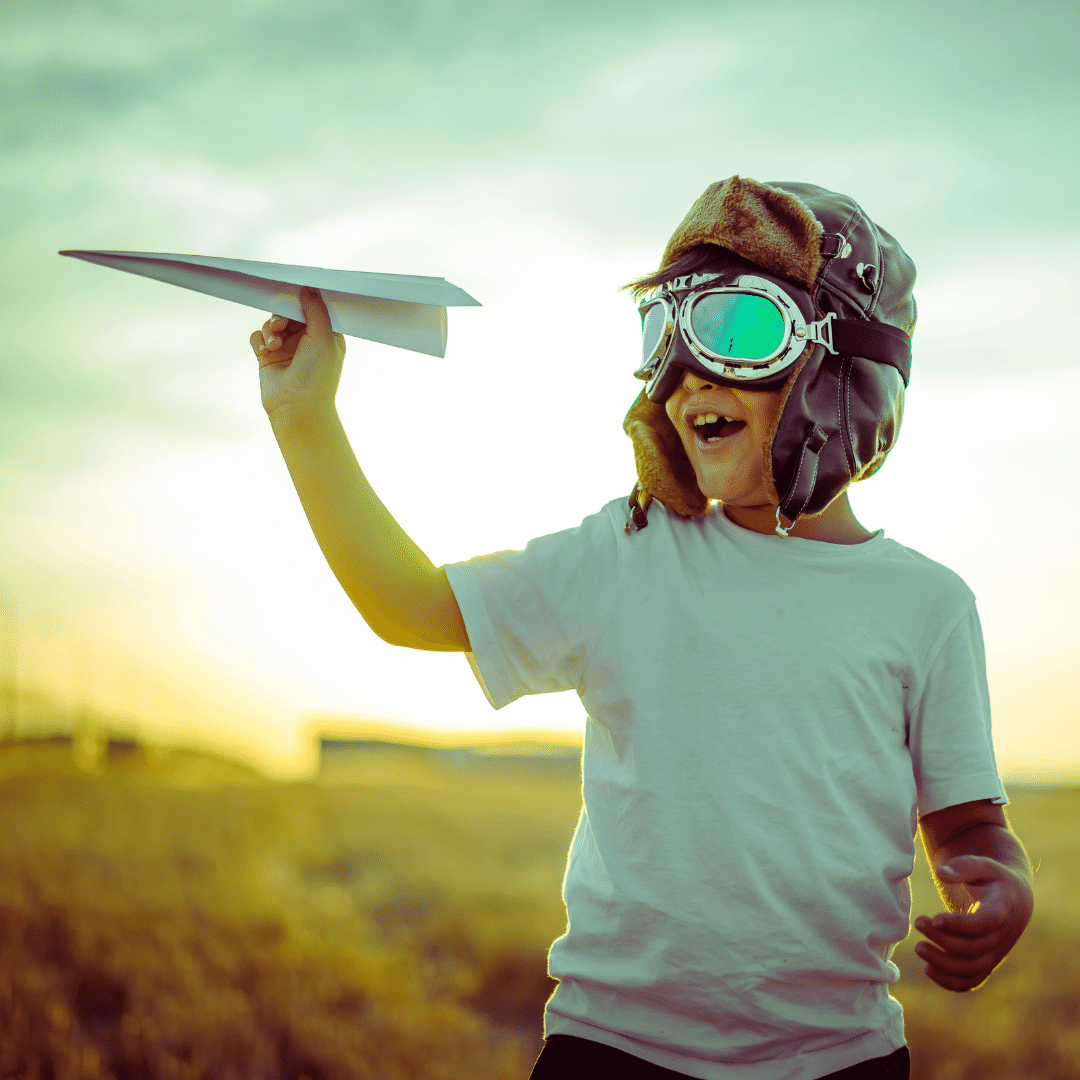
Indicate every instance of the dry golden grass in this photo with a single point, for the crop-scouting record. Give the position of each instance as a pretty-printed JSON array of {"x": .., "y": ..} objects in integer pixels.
[{"x": 187, "y": 919}]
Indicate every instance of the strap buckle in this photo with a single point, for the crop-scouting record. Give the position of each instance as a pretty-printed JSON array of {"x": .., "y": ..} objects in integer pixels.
[
  {"x": 780, "y": 530},
  {"x": 638, "y": 517},
  {"x": 821, "y": 333}
]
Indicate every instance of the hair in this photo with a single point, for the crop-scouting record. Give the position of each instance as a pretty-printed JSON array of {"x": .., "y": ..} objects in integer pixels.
[{"x": 700, "y": 258}]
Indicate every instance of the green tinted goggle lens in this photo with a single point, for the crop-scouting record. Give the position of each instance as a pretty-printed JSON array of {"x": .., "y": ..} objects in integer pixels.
[{"x": 738, "y": 325}]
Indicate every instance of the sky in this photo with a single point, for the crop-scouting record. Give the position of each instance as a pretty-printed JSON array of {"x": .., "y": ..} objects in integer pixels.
[{"x": 156, "y": 564}]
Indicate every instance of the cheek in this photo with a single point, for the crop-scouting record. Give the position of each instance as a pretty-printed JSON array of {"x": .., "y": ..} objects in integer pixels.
[
  {"x": 671, "y": 407},
  {"x": 773, "y": 411},
  {"x": 765, "y": 405}
]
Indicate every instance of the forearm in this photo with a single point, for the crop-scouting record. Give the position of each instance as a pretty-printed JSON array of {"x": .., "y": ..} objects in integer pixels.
[
  {"x": 399, "y": 592},
  {"x": 992, "y": 842}
]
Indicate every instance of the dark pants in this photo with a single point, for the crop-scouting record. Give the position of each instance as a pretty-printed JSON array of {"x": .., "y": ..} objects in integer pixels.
[{"x": 566, "y": 1057}]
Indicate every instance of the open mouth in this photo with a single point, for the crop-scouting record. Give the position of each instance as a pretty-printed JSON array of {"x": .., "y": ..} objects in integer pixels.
[{"x": 713, "y": 428}]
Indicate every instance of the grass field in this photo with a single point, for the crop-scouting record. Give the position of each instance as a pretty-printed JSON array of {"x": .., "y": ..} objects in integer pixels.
[{"x": 184, "y": 918}]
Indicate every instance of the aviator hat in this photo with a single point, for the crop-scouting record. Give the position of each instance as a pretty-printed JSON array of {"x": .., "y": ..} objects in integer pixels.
[{"x": 839, "y": 414}]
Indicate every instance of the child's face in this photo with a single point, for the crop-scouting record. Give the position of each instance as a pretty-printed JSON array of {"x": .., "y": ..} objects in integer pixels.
[{"x": 731, "y": 467}]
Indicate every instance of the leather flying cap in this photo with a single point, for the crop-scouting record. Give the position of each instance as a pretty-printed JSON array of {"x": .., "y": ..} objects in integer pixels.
[{"x": 840, "y": 415}]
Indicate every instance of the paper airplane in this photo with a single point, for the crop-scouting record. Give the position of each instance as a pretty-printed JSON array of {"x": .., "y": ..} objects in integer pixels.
[{"x": 395, "y": 309}]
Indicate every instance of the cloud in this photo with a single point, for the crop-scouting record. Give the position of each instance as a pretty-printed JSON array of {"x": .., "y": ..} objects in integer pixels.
[{"x": 1000, "y": 308}]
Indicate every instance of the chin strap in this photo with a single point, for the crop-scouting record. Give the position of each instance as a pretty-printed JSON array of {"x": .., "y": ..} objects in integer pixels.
[{"x": 802, "y": 483}]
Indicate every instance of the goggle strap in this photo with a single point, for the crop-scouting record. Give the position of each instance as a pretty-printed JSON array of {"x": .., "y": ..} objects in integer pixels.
[{"x": 876, "y": 341}]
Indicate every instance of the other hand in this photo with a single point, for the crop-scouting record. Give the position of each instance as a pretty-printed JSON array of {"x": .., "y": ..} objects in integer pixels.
[
  {"x": 964, "y": 947},
  {"x": 299, "y": 362}
]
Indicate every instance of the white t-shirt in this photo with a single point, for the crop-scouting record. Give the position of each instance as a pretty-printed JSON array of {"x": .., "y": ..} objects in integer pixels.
[{"x": 766, "y": 717}]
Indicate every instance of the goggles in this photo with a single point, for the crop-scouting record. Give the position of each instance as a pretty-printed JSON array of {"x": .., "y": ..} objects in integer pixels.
[{"x": 746, "y": 333}]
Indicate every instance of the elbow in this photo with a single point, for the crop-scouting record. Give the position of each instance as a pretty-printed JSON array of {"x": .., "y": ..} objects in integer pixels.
[
  {"x": 419, "y": 612},
  {"x": 386, "y": 628},
  {"x": 388, "y": 634},
  {"x": 425, "y": 643},
  {"x": 383, "y": 623},
  {"x": 425, "y": 635}
]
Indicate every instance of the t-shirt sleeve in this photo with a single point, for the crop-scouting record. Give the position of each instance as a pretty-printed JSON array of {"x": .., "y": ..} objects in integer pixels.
[
  {"x": 949, "y": 736},
  {"x": 535, "y": 616}
]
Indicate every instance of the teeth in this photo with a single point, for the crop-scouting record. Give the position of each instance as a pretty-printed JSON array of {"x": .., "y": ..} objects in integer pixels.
[{"x": 710, "y": 418}]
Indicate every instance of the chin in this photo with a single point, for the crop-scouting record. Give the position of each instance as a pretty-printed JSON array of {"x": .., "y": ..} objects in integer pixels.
[{"x": 730, "y": 495}]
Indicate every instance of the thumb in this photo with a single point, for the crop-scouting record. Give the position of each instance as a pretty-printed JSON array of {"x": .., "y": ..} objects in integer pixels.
[
  {"x": 315, "y": 314},
  {"x": 970, "y": 870}
]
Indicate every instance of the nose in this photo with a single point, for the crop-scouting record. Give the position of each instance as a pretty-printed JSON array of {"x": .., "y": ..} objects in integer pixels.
[{"x": 692, "y": 382}]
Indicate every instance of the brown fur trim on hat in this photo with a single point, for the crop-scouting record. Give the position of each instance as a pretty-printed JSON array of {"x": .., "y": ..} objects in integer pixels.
[
  {"x": 871, "y": 466},
  {"x": 664, "y": 471},
  {"x": 772, "y": 228}
]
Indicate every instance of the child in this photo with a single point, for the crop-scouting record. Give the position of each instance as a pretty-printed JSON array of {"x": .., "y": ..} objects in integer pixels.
[{"x": 777, "y": 697}]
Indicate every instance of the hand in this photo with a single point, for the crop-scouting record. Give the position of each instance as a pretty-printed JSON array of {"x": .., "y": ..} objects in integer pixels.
[
  {"x": 971, "y": 944},
  {"x": 299, "y": 363}
]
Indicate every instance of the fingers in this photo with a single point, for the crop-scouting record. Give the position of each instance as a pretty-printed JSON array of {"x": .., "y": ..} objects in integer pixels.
[
  {"x": 957, "y": 943},
  {"x": 270, "y": 338},
  {"x": 953, "y": 972},
  {"x": 956, "y": 960},
  {"x": 960, "y": 966},
  {"x": 276, "y": 327},
  {"x": 279, "y": 331},
  {"x": 265, "y": 338},
  {"x": 971, "y": 924}
]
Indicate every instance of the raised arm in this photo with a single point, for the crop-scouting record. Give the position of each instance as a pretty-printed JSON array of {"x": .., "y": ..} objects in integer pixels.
[{"x": 401, "y": 594}]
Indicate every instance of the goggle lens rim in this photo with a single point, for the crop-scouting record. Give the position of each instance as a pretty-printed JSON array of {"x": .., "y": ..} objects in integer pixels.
[
  {"x": 659, "y": 366},
  {"x": 756, "y": 328},
  {"x": 654, "y": 319}
]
